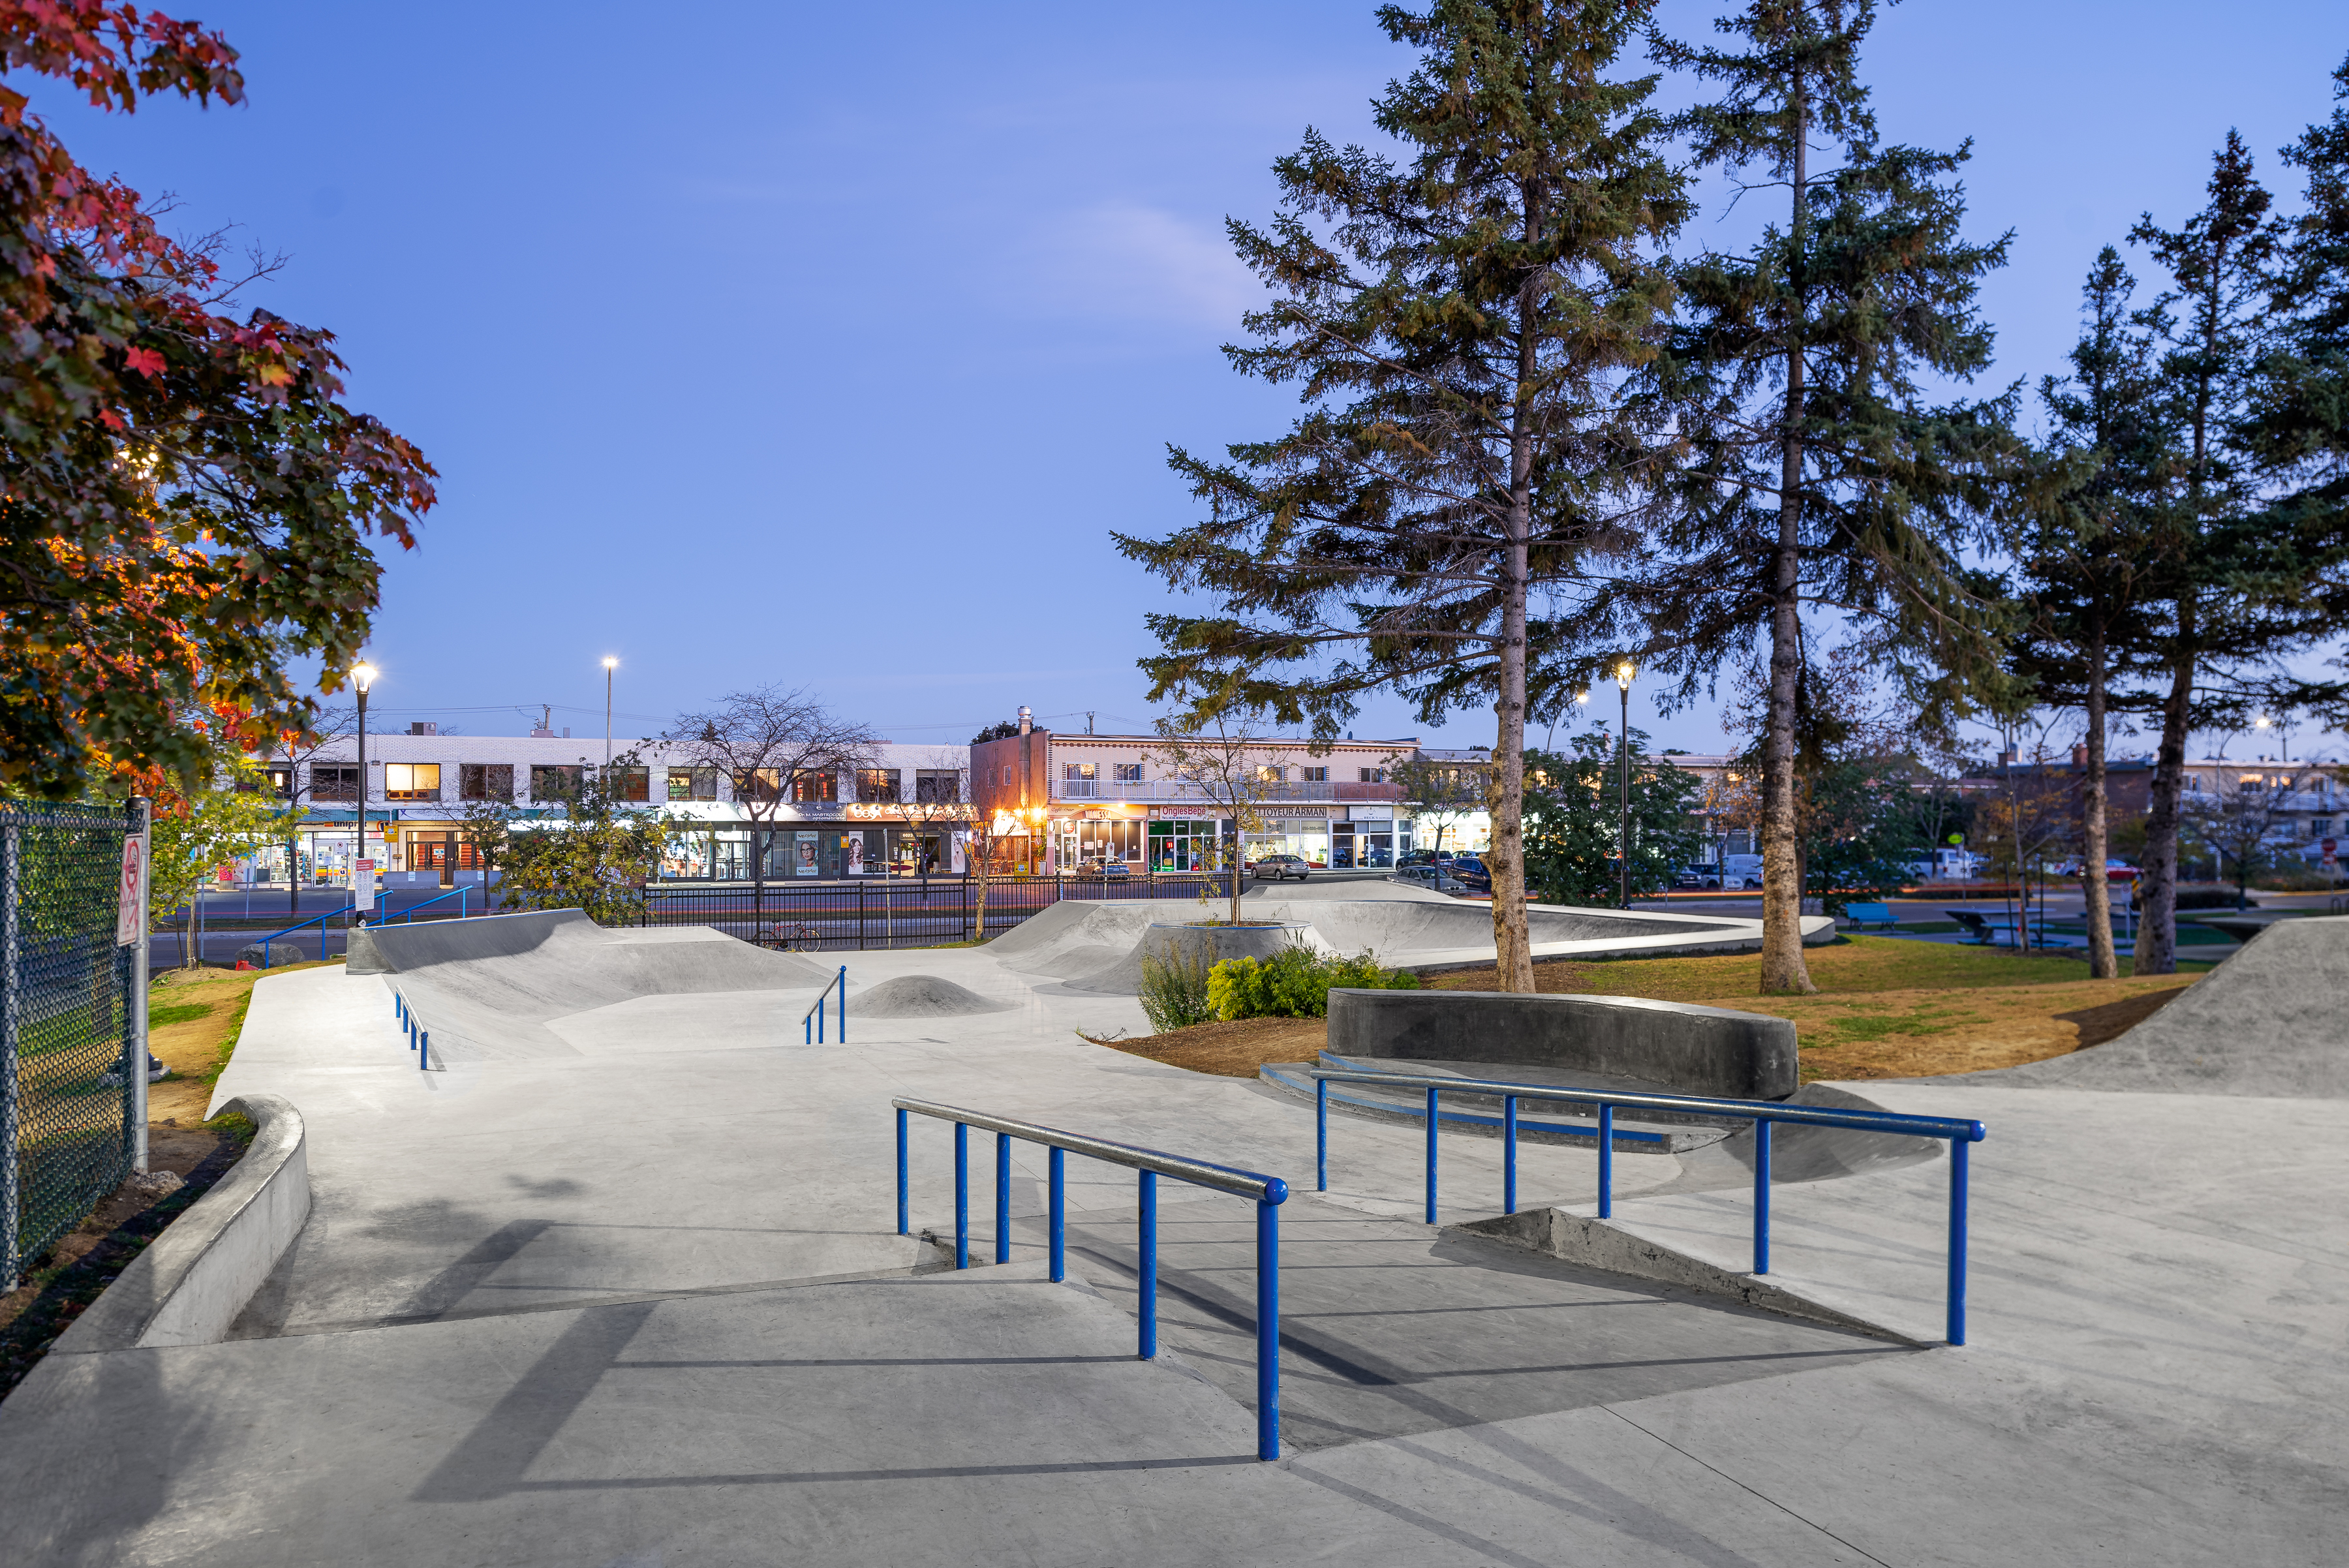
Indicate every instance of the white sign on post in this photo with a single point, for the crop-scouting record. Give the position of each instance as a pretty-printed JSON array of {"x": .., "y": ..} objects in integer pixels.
[
  {"x": 129, "y": 917},
  {"x": 363, "y": 885}
]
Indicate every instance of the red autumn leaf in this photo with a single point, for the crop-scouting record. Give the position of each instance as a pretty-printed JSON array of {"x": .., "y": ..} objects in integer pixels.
[{"x": 146, "y": 361}]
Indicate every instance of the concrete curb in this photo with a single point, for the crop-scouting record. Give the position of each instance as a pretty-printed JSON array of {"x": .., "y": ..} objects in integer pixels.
[
  {"x": 190, "y": 1284},
  {"x": 1596, "y": 1245}
]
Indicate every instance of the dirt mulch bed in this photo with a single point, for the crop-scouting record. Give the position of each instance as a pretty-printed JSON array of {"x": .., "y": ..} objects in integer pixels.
[
  {"x": 1232, "y": 1050},
  {"x": 85, "y": 1260}
]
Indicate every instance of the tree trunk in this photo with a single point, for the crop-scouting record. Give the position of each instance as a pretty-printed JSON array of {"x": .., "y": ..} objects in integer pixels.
[
  {"x": 2103, "y": 962},
  {"x": 1782, "y": 969},
  {"x": 2157, "y": 930}
]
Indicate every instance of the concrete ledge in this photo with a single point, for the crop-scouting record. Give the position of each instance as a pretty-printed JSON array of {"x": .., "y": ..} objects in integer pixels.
[
  {"x": 1596, "y": 1245},
  {"x": 190, "y": 1284},
  {"x": 1684, "y": 1048}
]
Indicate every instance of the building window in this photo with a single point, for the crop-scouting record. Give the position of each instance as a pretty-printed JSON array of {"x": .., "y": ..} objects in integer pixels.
[
  {"x": 485, "y": 780},
  {"x": 758, "y": 783},
  {"x": 1317, "y": 775},
  {"x": 556, "y": 780},
  {"x": 632, "y": 784},
  {"x": 1006, "y": 775},
  {"x": 1129, "y": 772},
  {"x": 2320, "y": 827},
  {"x": 693, "y": 784},
  {"x": 333, "y": 781},
  {"x": 937, "y": 786},
  {"x": 1081, "y": 773},
  {"x": 281, "y": 782},
  {"x": 412, "y": 780},
  {"x": 812, "y": 784},
  {"x": 876, "y": 783},
  {"x": 1270, "y": 773},
  {"x": 1375, "y": 775}
]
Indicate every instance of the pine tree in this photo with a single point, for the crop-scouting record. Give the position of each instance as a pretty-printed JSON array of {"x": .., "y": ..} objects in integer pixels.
[
  {"x": 1819, "y": 472},
  {"x": 2089, "y": 548},
  {"x": 1459, "y": 322}
]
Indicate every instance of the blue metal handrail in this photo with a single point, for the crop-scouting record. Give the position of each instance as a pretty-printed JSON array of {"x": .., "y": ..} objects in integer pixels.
[
  {"x": 313, "y": 920},
  {"x": 410, "y": 913},
  {"x": 811, "y": 1021},
  {"x": 1268, "y": 1192},
  {"x": 1761, "y": 1113},
  {"x": 419, "y": 1038}
]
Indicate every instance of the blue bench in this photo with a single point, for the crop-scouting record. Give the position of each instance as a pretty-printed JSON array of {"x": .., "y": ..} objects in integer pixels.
[{"x": 1870, "y": 915}]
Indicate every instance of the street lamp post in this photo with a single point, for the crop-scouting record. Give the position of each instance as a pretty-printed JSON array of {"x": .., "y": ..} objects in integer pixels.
[
  {"x": 609, "y": 665},
  {"x": 362, "y": 677},
  {"x": 1623, "y": 673}
]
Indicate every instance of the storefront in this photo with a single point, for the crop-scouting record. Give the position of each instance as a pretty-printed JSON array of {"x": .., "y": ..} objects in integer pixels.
[{"x": 1184, "y": 844}]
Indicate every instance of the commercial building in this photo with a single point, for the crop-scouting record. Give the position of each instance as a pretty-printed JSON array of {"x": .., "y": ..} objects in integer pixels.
[
  {"x": 1078, "y": 800},
  {"x": 897, "y": 813}
]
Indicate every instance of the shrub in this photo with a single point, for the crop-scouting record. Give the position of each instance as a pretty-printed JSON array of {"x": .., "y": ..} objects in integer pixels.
[
  {"x": 1174, "y": 988},
  {"x": 1295, "y": 983}
]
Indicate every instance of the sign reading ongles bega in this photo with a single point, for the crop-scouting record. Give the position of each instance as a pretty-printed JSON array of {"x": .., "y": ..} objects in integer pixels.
[{"x": 127, "y": 916}]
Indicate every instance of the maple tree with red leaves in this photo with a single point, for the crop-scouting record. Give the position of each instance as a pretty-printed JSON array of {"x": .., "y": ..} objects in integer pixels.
[{"x": 185, "y": 508}]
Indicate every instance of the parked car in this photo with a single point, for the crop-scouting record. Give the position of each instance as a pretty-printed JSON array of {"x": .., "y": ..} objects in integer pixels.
[
  {"x": 1280, "y": 868},
  {"x": 1472, "y": 872},
  {"x": 1438, "y": 877},
  {"x": 1696, "y": 877},
  {"x": 1110, "y": 866},
  {"x": 1424, "y": 857}
]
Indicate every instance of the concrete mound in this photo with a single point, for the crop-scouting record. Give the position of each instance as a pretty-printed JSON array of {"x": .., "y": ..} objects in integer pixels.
[
  {"x": 1214, "y": 943},
  {"x": 487, "y": 988},
  {"x": 922, "y": 996},
  {"x": 2267, "y": 1023}
]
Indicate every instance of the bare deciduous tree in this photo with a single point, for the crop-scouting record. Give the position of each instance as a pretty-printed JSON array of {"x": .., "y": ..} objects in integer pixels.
[
  {"x": 761, "y": 739},
  {"x": 1223, "y": 757}
]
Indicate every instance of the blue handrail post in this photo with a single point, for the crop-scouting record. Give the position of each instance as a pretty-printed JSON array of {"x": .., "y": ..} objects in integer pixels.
[
  {"x": 1060, "y": 1214},
  {"x": 1760, "y": 1195},
  {"x": 903, "y": 1228},
  {"x": 843, "y": 988},
  {"x": 962, "y": 1195},
  {"x": 1606, "y": 1162},
  {"x": 819, "y": 1018},
  {"x": 1320, "y": 1135},
  {"x": 1267, "y": 1330},
  {"x": 1002, "y": 1198},
  {"x": 423, "y": 1050},
  {"x": 1431, "y": 1154},
  {"x": 1146, "y": 1276},
  {"x": 1956, "y": 1332},
  {"x": 1509, "y": 1154}
]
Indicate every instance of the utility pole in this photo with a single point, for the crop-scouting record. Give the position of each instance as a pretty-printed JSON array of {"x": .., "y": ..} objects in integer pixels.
[
  {"x": 362, "y": 677},
  {"x": 1623, "y": 673},
  {"x": 609, "y": 665}
]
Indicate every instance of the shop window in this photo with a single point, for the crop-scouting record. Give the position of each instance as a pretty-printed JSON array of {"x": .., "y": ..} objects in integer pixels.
[
  {"x": 1129, "y": 772},
  {"x": 556, "y": 780},
  {"x": 877, "y": 785},
  {"x": 632, "y": 784},
  {"x": 485, "y": 780},
  {"x": 814, "y": 784},
  {"x": 937, "y": 786},
  {"x": 1316, "y": 775},
  {"x": 332, "y": 780},
  {"x": 693, "y": 784}
]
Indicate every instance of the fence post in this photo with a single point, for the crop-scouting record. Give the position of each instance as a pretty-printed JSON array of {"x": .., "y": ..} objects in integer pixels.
[
  {"x": 12, "y": 972},
  {"x": 136, "y": 1064}
]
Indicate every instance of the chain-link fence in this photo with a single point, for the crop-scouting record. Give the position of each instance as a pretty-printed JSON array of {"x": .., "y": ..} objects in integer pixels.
[{"x": 66, "y": 1127}]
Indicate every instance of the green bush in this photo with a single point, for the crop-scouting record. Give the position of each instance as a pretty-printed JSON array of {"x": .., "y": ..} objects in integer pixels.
[
  {"x": 1175, "y": 988},
  {"x": 1295, "y": 983}
]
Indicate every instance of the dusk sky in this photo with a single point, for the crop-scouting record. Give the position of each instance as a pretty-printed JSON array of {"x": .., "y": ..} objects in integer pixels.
[{"x": 826, "y": 345}]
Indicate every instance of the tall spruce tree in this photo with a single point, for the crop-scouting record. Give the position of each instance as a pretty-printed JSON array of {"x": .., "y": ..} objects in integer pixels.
[
  {"x": 1459, "y": 322},
  {"x": 2088, "y": 544},
  {"x": 1819, "y": 472}
]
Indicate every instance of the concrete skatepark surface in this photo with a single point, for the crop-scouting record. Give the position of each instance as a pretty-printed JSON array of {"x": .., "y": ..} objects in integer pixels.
[{"x": 638, "y": 1301}]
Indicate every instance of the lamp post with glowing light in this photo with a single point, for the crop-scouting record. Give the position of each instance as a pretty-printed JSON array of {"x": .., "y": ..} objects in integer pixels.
[
  {"x": 1623, "y": 673},
  {"x": 609, "y": 665},
  {"x": 362, "y": 677}
]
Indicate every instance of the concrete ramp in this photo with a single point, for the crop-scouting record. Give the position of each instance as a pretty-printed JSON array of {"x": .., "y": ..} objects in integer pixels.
[
  {"x": 487, "y": 988},
  {"x": 2268, "y": 1022}
]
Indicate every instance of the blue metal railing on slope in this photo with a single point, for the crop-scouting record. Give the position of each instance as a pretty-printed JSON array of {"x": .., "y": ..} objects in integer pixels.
[
  {"x": 1763, "y": 1113},
  {"x": 1268, "y": 1193},
  {"x": 811, "y": 1021},
  {"x": 460, "y": 894},
  {"x": 317, "y": 921},
  {"x": 419, "y": 1038}
]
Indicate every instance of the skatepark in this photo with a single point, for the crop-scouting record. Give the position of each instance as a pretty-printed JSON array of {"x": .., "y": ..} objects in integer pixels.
[{"x": 609, "y": 1272}]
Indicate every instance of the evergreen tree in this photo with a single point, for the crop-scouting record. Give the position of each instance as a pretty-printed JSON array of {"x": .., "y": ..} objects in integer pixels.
[
  {"x": 1574, "y": 821},
  {"x": 2089, "y": 545},
  {"x": 1818, "y": 471},
  {"x": 1459, "y": 323}
]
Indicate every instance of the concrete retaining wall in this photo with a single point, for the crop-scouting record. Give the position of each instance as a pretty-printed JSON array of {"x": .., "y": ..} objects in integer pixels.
[
  {"x": 190, "y": 1283},
  {"x": 1687, "y": 1049}
]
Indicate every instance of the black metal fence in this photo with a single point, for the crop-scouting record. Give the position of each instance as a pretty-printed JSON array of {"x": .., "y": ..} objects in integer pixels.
[
  {"x": 903, "y": 912},
  {"x": 66, "y": 1126}
]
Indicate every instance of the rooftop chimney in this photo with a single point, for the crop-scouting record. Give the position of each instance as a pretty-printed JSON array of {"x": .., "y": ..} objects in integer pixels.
[
  {"x": 2080, "y": 756},
  {"x": 1027, "y": 719},
  {"x": 424, "y": 727}
]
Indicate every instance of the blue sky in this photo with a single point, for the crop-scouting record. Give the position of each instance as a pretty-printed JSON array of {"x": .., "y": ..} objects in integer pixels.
[{"x": 825, "y": 345}]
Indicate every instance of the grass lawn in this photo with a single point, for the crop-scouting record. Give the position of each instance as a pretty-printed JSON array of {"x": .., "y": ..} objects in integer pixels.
[
  {"x": 193, "y": 1019},
  {"x": 1886, "y": 1007}
]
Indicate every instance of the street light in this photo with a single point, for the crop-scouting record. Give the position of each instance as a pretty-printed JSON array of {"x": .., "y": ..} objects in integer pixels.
[
  {"x": 1623, "y": 673},
  {"x": 362, "y": 677},
  {"x": 609, "y": 665}
]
